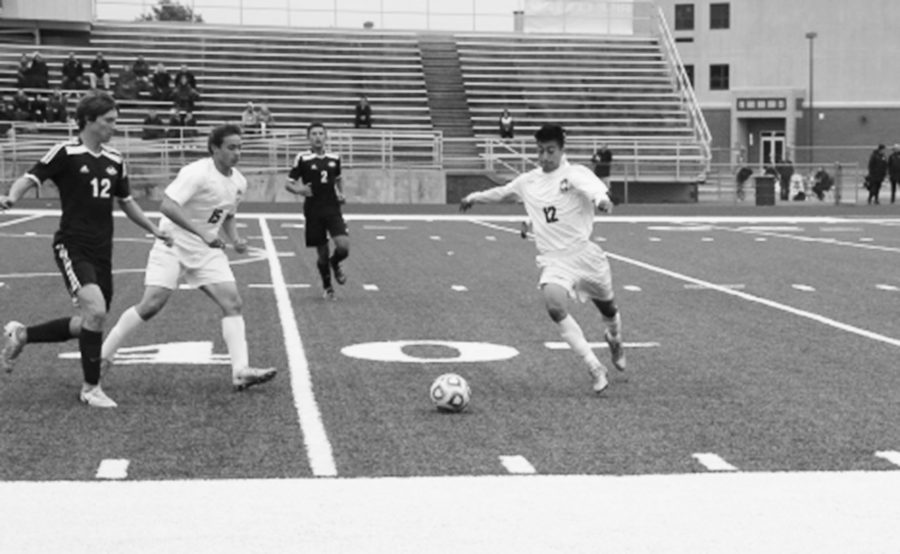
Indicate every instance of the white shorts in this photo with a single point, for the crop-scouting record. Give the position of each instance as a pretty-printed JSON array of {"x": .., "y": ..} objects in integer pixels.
[
  {"x": 165, "y": 267},
  {"x": 583, "y": 272}
]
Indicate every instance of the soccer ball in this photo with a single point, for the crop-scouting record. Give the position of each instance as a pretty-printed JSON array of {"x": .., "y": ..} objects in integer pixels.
[{"x": 450, "y": 393}]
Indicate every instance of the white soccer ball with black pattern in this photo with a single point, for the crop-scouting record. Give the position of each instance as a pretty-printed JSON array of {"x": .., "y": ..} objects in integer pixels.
[{"x": 450, "y": 393}]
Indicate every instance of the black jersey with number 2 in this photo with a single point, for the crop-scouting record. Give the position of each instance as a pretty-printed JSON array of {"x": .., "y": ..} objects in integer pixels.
[
  {"x": 321, "y": 173},
  {"x": 87, "y": 183}
]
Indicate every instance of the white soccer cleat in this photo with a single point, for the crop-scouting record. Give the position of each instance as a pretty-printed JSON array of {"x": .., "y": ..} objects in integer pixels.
[
  {"x": 616, "y": 351},
  {"x": 600, "y": 380},
  {"x": 329, "y": 294},
  {"x": 95, "y": 397},
  {"x": 14, "y": 342},
  {"x": 246, "y": 378}
]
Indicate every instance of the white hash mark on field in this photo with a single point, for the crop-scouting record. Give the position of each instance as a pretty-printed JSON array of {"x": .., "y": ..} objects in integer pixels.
[
  {"x": 713, "y": 462},
  {"x": 518, "y": 465},
  {"x": 112, "y": 469}
]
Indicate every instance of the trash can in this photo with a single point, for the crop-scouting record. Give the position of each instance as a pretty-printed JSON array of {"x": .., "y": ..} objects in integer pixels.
[{"x": 765, "y": 190}]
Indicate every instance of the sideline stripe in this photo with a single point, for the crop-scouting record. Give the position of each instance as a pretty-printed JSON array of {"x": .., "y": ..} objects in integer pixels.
[
  {"x": 21, "y": 220},
  {"x": 112, "y": 469},
  {"x": 742, "y": 295},
  {"x": 759, "y": 300},
  {"x": 517, "y": 465},
  {"x": 713, "y": 462},
  {"x": 318, "y": 448}
]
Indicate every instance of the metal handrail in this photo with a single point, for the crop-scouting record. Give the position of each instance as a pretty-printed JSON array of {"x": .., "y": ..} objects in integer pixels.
[{"x": 684, "y": 85}]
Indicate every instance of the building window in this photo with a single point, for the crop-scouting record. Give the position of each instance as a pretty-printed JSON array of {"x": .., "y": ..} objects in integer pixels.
[
  {"x": 719, "y": 16},
  {"x": 719, "y": 77},
  {"x": 684, "y": 17},
  {"x": 689, "y": 71}
]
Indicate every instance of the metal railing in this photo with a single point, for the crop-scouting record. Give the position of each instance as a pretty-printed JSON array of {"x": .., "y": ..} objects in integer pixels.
[
  {"x": 683, "y": 84},
  {"x": 841, "y": 186}
]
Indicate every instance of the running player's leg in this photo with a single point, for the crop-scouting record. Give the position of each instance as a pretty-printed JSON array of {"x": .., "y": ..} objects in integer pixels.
[
  {"x": 556, "y": 299},
  {"x": 337, "y": 228},
  {"x": 160, "y": 279},
  {"x": 316, "y": 237},
  {"x": 225, "y": 294}
]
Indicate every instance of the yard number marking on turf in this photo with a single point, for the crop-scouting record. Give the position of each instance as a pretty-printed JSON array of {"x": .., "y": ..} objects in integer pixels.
[
  {"x": 890, "y": 455},
  {"x": 112, "y": 469},
  {"x": 713, "y": 462},
  {"x": 517, "y": 465},
  {"x": 318, "y": 447}
]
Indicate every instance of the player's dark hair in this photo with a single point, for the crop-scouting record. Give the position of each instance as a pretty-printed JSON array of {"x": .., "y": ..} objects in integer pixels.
[
  {"x": 553, "y": 133},
  {"x": 91, "y": 106},
  {"x": 218, "y": 134},
  {"x": 313, "y": 125}
]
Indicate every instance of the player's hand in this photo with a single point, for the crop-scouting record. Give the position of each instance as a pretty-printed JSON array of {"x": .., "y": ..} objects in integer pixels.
[
  {"x": 605, "y": 206},
  {"x": 240, "y": 246},
  {"x": 164, "y": 236},
  {"x": 6, "y": 202},
  {"x": 340, "y": 197},
  {"x": 215, "y": 242},
  {"x": 304, "y": 190},
  {"x": 465, "y": 204}
]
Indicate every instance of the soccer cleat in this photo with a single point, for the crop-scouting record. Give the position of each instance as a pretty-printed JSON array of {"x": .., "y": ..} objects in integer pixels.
[
  {"x": 616, "y": 350},
  {"x": 600, "y": 380},
  {"x": 339, "y": 274},
  {"x": 246, "y": 378},
  {"x": 328, "y": 294},
  {"x": 95, "y": 397},
  {"x": 14, "y": 342}
]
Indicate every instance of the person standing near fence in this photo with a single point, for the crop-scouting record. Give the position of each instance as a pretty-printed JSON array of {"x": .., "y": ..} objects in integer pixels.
[
  {"x": 894, "y": 170},
  {"x": 877, "y": 171}
]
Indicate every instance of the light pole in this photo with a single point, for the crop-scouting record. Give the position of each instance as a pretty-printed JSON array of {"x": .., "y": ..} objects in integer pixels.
[{"x": 811, "y": 36}]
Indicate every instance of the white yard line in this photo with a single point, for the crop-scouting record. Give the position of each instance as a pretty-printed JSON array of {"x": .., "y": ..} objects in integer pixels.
[
  {"x": 21, "y": 220},
  {"x": 318, "y": 447}
]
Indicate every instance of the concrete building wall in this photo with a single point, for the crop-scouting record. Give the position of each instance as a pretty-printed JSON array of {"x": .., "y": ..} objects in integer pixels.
[{"x": 58, "y": 10}]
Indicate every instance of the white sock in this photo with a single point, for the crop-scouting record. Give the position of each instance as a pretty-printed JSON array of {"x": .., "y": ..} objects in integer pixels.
[
  {"x": 128, "y": 322},
  {"x": 233, "y": 331},
  {"x": 614, "y": 324},
  {"x": 571, "y": 332}
]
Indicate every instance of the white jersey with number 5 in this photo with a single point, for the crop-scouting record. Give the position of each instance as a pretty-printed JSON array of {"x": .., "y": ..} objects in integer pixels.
[
  {"x": 207, "y": 196},
  {"x": 560, "y": 204}
]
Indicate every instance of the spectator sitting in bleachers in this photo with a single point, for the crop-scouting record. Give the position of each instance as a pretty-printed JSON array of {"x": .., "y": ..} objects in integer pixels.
[
  {"x": 363, "y": 114},
  {"x": 154, "y": 126},
  {"x": 249, "y": 118},
  {"x": 174, "y": 124},
  {"x": 72, "y": 73},
  {"x": 264, "y": 116},
  {"x": 126, "y": 86},
  {"x": 57, "y": 112},
  {"x": 141, "y": 70},
  {"x": 506, "y": 125},
  {"x": 184, "y": 97},
  {"x": 189, "y": 122},
  {"x": 39, "y": 109},
  {"x": 22, "y": 72},
  {"x": 99, "y": 71},
  {"x": 38, "y": 73},
  {"x": 161, "y": 84},
  {"x": 21, "y": 106},
  {"x": 6, "y": 115},
  {"x": 185, "y": 72}
]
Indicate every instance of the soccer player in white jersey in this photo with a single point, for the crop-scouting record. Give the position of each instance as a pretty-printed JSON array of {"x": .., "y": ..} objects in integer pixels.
[
  {"x": 197, "y": 205},
  {"x": 560, "y": 199}
]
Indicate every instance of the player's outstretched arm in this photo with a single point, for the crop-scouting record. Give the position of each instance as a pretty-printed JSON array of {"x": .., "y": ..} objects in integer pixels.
[
  {"x": 298, "y": 188},
  {"x": 19, "y": 187},
  {"x": 137, "y": 215}
]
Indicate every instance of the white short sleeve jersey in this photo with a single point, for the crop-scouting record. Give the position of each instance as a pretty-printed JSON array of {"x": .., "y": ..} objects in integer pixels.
[
  {"x": 560, "y": 204},
  {"x": 207, "y": 196}
]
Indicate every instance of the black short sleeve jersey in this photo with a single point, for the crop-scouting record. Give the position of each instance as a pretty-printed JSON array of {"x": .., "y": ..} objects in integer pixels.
[
  {"x": 321, "y": 173},
  {"x": 87, "y": 183}
]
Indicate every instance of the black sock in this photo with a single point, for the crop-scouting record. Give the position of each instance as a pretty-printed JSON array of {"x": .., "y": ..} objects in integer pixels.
[
  {"x": 56, "y": 330},
  {"x": 90, "y": 343},
  {"x": 325, "y": 272},
  {"x": 340, "y": 254}
]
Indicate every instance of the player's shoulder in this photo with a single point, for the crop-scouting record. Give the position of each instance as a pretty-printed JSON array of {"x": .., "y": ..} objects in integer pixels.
[
  {"x": 578, "y": 170},
  {"x": 68, "y": 147},
  {"x": 112, "y": 153},
  {"x": 196, "y": 169},
  {"x": 332, "y": 156}
]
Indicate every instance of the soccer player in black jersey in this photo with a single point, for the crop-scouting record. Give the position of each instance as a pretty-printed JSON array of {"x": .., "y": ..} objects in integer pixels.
[
  {"x": 88, "y": 175},
  {"x": 316, "y": 175}
]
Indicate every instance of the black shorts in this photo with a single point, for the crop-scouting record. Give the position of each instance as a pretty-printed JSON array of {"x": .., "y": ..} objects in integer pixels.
[
  {"x": 320, "y": 227},
  {"x": 80, "y": 266}
]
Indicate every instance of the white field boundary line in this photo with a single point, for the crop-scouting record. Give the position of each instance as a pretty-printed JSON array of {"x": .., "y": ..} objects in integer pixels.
[
  {"x": 739, "y": 294},
  {"x": 318, "y": 447},
  {"x": 22, "y": 220},
  {"x": 472, "y": 217},
  {"x": 820, "y": 240}
]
